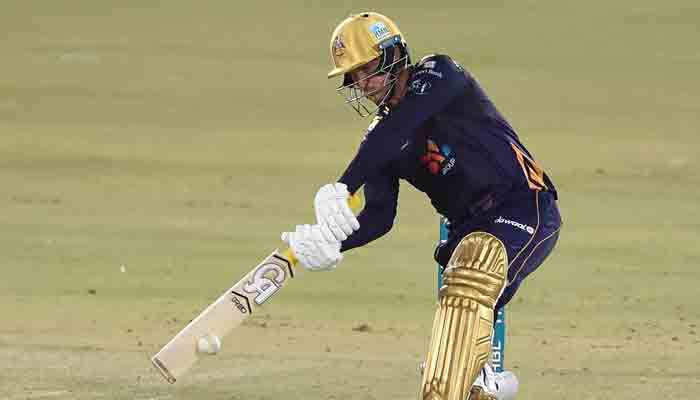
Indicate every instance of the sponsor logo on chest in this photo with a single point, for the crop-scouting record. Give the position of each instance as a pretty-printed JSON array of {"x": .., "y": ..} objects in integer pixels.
[{"x": 438, "y": 160}]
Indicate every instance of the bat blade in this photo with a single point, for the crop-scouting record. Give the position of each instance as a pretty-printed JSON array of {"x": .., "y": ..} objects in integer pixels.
[{"x": 225, "y": 313}]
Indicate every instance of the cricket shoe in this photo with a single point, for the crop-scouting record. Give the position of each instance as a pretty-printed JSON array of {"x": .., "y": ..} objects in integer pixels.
[{"x": 492, "y": 385}]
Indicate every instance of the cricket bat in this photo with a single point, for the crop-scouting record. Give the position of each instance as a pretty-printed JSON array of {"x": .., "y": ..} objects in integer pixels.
[{"x": 229, "y": 310}]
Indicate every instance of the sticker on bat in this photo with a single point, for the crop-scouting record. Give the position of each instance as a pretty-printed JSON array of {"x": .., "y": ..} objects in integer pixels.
[{"x": 238, "y": 303}]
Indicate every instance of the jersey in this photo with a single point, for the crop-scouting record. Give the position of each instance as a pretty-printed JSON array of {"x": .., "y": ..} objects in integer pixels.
[{"x": 447, "y": 139}]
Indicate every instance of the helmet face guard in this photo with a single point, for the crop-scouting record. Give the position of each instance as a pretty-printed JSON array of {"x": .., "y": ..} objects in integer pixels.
[{"x": 390, "y": 67}]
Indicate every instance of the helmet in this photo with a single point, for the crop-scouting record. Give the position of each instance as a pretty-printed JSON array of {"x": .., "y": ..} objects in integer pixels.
[{"x": 360, "y": 39}]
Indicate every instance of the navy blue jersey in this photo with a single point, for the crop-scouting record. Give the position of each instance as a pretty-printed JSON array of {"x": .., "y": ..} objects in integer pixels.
[{"x": 448, "y": 140}]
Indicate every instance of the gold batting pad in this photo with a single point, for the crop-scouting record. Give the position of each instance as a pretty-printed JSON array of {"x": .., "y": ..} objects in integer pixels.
[
  {"x": 461, "y": 339},
  {"x": 478, "y": 393}
]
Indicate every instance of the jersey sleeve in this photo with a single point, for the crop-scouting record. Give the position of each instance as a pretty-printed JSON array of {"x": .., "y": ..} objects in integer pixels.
[
  {"x": 432, "y": 85},
  {"x": 377, "y": 217}
]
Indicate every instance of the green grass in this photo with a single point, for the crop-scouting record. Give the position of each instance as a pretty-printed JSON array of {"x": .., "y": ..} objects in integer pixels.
[{"x": 179, "y": 140}]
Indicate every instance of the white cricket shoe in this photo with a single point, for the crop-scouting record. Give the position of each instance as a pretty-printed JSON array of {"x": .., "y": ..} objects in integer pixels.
[{"x": 492, "y": 385}]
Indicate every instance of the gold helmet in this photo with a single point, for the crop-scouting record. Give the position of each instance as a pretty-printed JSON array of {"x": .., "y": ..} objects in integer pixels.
[{"x": 360, "y": 39}]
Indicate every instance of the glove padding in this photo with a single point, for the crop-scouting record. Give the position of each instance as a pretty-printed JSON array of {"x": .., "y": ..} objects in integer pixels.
[
  {"x": 312, "y": 248},
  {"x": 333, "y": 211}
]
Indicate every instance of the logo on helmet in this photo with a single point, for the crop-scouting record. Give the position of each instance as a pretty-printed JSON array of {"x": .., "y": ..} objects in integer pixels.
[
  {"x": 338, "y": 46},
  {"x": 379, "y": 30}
]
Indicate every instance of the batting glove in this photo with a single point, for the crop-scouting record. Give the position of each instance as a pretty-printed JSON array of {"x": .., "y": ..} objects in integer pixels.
[
  {"x": 333, "y": 211},
  {"x": 312, "y": 248}
]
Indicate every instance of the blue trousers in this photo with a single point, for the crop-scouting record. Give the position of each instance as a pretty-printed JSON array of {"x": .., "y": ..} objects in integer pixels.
[{"x": 527, "y": 223}]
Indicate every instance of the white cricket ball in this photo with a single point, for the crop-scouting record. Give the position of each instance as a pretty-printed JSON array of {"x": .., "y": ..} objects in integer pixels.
[{"x": 209, "y": 344}]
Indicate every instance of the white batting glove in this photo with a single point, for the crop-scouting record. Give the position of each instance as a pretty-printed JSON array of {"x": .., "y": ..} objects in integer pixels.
[
  {"x": 333, "y": 211},
  {"x": 312, "y": 248}
]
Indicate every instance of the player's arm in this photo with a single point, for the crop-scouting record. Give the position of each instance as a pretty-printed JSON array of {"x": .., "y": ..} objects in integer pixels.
[
  {"x": 319, "y": 247},
  {"x": 435, "y": 83},
  {"x": 377, "y": 216}
]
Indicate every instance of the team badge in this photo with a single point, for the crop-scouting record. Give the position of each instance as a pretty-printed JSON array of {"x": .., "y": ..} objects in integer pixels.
[
  {"x": 338, "y": 46},
  {"x": 419, "y": 87}
]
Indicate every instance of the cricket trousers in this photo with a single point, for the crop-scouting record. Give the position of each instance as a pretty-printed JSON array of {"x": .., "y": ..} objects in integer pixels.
[{"x": 527, "y": 223}]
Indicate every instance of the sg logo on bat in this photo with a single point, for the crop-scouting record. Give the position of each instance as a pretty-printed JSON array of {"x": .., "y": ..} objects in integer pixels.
[{"x": 261, "y": 283}]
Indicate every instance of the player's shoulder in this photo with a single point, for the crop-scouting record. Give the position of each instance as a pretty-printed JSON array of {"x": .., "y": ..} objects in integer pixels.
[
  {"x": 440, "y": 63},
  {"x": 434, "y": 75}
]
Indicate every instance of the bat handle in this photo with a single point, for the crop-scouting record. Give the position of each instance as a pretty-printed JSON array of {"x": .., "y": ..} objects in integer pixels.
[
  {"x": 355, "y": 203},
  {"x": 289, "y": 255}
]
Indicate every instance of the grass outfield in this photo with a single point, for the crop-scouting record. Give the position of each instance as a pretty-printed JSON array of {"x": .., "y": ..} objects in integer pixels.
[{"x": 151, "y": 155}]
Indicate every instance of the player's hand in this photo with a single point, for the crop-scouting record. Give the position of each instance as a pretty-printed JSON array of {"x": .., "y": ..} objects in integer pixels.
[
  {"x": 312, "y": 248},
  {"x": 333, "y": 211}
]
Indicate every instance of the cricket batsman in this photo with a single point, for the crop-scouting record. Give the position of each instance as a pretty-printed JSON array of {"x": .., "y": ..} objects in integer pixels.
[{"x": 435, "y": 127}]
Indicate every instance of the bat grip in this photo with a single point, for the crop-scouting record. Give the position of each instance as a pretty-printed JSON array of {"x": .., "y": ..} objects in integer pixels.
[
  {"x": 355, "y": 203},
  {"x": 289, "y": 255}
]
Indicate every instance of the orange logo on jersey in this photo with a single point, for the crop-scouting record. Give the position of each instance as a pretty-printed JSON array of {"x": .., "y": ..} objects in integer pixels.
[{"x": 534, "y": 174}]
